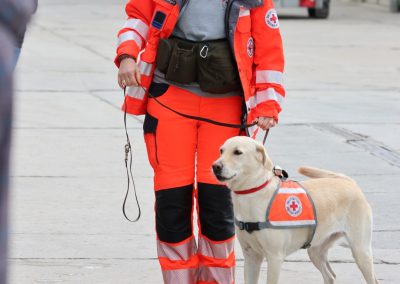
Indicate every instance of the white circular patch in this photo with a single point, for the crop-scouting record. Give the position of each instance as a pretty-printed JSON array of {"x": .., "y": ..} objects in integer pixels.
[
  {"x": 271, "y": 19},
  {"x": 293, "y": 206},
  {"x": 250, "y": 47}
]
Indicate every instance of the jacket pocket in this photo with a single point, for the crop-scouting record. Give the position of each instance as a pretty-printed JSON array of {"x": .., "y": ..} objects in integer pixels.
[
  {"x": 157, "y": 90},
  {"x": 150, "y": 136}
]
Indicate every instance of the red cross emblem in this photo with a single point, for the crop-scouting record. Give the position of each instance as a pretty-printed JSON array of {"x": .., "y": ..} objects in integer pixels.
[
  {"x": 250, "y": 47},
  {"x": 271, "y": 19},
  {"x": 293, "y": 206}
]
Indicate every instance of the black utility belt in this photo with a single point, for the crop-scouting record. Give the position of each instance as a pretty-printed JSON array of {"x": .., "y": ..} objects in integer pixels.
[{"x": 210, "y": 64}]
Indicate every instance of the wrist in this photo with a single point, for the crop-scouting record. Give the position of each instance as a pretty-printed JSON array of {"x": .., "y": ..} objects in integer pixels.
[{"x": 125, "y": 56}]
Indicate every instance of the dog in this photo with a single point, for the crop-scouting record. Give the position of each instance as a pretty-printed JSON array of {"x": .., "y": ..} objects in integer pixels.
[{"x": 341, "y": 209}]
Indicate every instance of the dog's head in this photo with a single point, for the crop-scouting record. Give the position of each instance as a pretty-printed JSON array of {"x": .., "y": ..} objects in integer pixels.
[{"x": 241, "y": 158}]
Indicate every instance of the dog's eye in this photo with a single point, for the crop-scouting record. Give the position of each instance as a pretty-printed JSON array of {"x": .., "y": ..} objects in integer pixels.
[
  {"x": 238, "y": 152},
  {"x": 221, "y": 151}
]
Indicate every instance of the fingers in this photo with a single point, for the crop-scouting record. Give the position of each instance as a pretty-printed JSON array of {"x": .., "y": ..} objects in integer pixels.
[
  {"x": 138, "y": 76},
  {"x": 127, "y": 80},
  {"x": 128, "y": 74},
  {"x": 121, "y": 83},
  {"x": 266, "y": 122}
]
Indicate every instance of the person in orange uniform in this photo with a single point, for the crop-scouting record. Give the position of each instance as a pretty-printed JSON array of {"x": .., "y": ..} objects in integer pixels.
[{"x": 219, "y": 59}]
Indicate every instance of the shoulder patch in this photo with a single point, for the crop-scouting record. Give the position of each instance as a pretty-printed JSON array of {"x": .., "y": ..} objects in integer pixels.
[{"x": 271, "y": 19}]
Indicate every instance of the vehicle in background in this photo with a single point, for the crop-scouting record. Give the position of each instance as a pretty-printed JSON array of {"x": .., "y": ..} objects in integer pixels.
[
  {"x": 318, "y": 9},
  {"x": 395, "y": 6}
]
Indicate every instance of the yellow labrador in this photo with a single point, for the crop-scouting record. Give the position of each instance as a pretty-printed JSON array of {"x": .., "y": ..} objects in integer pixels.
[{"x": 341, "y": 208}]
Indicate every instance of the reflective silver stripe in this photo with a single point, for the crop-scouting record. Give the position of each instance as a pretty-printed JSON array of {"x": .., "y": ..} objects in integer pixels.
[
  {"x": 136, "y": 92},
  {"x": 184, "y": 276},
  {"x": 130, "y": 35},
  {"x": 177, "y": 252},
  {"x": 244, "y": 12},
  {"x": 138, "y": 25},
  {"x": 269, "y": 76},
  {"x": 292, "y": 190},
  {"x": 263, "y": 96},
  {"x": 216, "y": 274},
  {"x": 269, "y": 94},
  {"x": 292, "y": 223},
  {"x": 215, "y": 250},
  {"x": 145, "y": 68}
]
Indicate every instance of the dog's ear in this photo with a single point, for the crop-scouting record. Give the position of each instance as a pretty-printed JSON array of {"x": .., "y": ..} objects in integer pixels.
[
  {"x": 264, "y": 158},
  {"x": 261, "y": 151}
]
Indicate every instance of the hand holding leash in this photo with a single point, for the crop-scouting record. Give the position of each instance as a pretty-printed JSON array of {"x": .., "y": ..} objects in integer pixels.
[
  {"x": 265, "y": 122},
  {"x": 129, "y": 73}
]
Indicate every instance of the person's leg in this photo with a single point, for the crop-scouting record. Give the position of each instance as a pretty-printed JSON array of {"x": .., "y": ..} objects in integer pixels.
[
  {"x": 6, "y": 61},
  {"x": 171, "y": 146},
  {"x": 216, "y": 239}
]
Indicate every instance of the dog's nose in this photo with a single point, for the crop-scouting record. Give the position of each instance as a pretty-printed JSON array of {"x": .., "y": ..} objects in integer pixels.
[{"x": 217, "y": 168}]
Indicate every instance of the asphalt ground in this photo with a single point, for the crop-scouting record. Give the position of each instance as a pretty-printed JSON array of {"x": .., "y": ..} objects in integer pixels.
[{"x": 68, "y": 180}]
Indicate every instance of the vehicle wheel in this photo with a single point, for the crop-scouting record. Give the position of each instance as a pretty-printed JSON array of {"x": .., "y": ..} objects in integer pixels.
[{"x": 321, "y": 13}]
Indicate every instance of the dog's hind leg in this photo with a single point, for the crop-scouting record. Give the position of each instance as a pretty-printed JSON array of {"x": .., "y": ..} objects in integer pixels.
[
  {"x": 325, "y": 250},
  {"x": 359, "y": 236},
  {"x": 362, "y": 253},
  {"x": 319, "y": 257},
  {"x": 274, "y": 269},
  {"x": 252, "y": 266},
  {"x": 364, "y": 260}
]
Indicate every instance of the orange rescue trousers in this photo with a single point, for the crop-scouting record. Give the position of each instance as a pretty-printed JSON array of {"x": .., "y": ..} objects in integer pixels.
[{"x": 181, "y": 151}]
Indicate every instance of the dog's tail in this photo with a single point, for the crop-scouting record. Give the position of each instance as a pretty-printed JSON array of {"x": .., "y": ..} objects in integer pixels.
[{"x": 319, "y": 173}]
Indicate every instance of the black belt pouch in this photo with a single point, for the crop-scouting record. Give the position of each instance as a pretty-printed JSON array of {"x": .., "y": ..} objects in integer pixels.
[
  {"x": 164, "y": 52},
  {"x": 177, "y": 60},
  {"x": 217, "y": 70}
]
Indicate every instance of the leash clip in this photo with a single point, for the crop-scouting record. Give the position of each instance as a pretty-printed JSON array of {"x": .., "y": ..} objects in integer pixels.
[
  {"x": 127, "y": 149},
  {"x": 204, "y": 51},
  {"x": 281, "y": 173}
]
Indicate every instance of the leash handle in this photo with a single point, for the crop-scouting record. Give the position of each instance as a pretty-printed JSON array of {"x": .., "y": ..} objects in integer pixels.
[{"x": 128, "y": 167}]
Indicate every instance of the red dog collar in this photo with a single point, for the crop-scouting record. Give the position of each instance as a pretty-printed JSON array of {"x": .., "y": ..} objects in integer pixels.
[{"x": 252, "y": 190}]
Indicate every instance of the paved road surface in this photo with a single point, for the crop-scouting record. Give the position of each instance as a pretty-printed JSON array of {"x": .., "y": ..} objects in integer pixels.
[{"x": 342, "y": 113}]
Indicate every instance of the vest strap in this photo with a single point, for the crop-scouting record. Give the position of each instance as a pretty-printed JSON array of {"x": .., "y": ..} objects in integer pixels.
[{"x": 250, "y": 227}]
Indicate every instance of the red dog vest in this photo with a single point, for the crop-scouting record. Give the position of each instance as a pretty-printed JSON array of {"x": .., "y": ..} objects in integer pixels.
[{"x": 291, "y": 206}]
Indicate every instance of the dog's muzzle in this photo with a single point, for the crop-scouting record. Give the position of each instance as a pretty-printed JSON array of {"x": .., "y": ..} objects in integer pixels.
[{"x": 217, "y": 168}]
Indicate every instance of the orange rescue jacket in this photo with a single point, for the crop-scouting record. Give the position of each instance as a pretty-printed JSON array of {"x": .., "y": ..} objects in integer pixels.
[{"x": 254, "y": 36}]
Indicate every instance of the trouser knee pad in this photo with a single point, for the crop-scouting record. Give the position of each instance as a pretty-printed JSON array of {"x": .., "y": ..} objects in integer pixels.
[
  {"x": 174, "y": 214},
  {"x": 215, "y": 212}
]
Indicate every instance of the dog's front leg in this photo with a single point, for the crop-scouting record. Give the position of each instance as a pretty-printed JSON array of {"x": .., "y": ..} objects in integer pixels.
[
  {"x": 274, "y": 269},
  {"x": 252, "y": 266}
]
